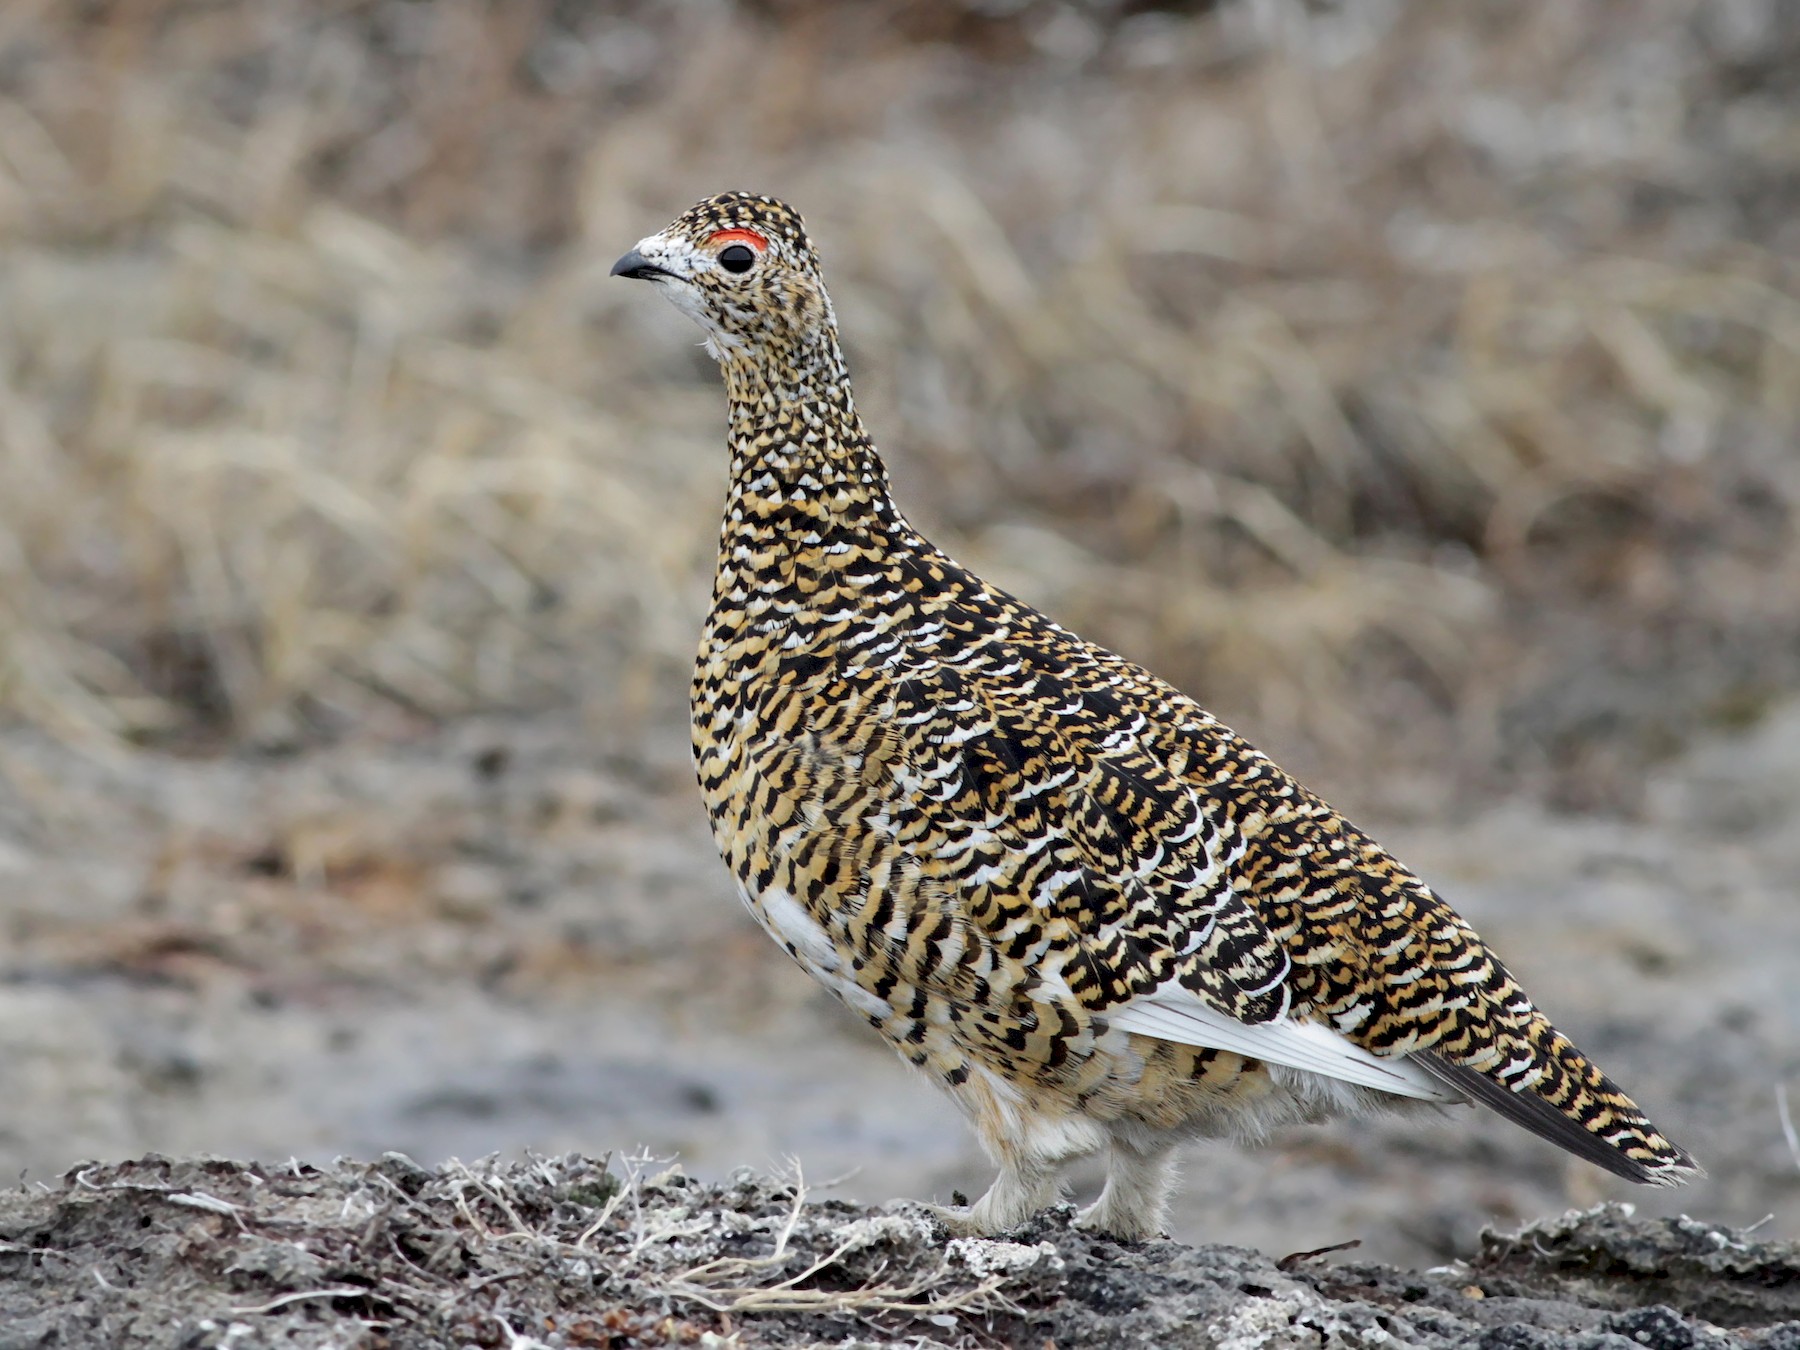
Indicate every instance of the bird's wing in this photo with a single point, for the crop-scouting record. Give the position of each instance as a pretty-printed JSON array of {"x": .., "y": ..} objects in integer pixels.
[
  {"x": 1048, "y": 796},
  {"x": 1172, "y": 855}
]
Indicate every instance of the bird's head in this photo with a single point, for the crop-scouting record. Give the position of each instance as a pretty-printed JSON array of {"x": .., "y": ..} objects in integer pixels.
[{"x": 742, "y": 267}]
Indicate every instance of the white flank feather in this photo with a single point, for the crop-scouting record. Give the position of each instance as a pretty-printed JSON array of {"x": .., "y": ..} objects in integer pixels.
[{"x": 1175, "y": 1014}]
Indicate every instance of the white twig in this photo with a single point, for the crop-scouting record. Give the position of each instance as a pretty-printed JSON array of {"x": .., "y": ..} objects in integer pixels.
[
  {"x": 605, "y": 1216},
  {"x": 1787, "y": 1123},
  {"x": 348, "y": 1291},
  {"x": 793, "y": 1218},
  {"x": 516, "y": 1341}
]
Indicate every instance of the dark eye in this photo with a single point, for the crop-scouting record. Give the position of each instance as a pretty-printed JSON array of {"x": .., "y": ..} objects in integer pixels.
[{"x": 736, "y": 258}]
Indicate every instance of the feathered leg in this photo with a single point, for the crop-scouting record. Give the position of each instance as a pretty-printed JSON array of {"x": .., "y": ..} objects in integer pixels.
[
  {"x": 1132, "y": 1205},
  {"x": 1032, "y": 1153}
]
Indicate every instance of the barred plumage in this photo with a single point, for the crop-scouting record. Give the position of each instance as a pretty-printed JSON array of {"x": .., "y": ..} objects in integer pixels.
[{"x": 1055, "y": 883}]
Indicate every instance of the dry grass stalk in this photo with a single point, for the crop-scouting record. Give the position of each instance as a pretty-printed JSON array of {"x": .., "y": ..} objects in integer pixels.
[{"x": 1264, "y": 345}]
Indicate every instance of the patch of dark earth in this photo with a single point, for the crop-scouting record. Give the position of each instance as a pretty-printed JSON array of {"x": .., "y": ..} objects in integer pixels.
[{"x": 581, "y": 1252}]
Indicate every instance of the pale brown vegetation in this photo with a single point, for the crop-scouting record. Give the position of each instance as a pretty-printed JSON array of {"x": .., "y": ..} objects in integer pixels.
[{"x": 1375, "y": 372}]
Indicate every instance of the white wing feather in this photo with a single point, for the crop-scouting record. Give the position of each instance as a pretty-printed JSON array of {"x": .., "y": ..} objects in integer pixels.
[{"x": 1172, "y": 1013}]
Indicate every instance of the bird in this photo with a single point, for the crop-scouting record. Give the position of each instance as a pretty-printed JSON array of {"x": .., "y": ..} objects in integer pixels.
[{"x": 1098, "y": 917}]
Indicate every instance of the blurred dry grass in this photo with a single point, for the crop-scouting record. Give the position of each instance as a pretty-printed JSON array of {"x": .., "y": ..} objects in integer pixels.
[{"x": 1378, "y": 372}]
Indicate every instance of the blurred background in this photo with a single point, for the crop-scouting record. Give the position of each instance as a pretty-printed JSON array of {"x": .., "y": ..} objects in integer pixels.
[{"x": 1417, "y": 385}]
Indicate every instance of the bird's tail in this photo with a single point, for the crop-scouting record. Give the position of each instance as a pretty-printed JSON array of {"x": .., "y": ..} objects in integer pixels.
[{"x": 1552, "y": 1089}]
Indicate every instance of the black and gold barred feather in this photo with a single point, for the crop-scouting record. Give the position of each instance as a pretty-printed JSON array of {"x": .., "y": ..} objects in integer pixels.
[{"x": 1051, "y": 880}]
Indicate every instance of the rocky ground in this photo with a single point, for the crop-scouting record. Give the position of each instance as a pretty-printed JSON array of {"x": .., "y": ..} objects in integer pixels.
[{"x": 573, "y": 1252}]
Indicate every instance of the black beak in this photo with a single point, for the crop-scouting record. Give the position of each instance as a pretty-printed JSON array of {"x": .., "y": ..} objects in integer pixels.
[{"x": 635, "y": 264}]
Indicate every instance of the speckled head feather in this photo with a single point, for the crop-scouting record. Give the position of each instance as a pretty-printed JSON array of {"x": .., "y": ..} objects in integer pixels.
[
  {"x": 1055, "y": 883},
  {"x": 743, "y": 268}
]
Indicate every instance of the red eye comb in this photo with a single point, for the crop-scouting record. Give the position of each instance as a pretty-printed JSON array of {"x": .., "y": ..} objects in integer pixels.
[{"x": 750, "y": 237}]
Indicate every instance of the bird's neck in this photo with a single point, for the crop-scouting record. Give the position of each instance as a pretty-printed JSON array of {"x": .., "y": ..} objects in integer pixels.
[{"x": 798, "y": 449}]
